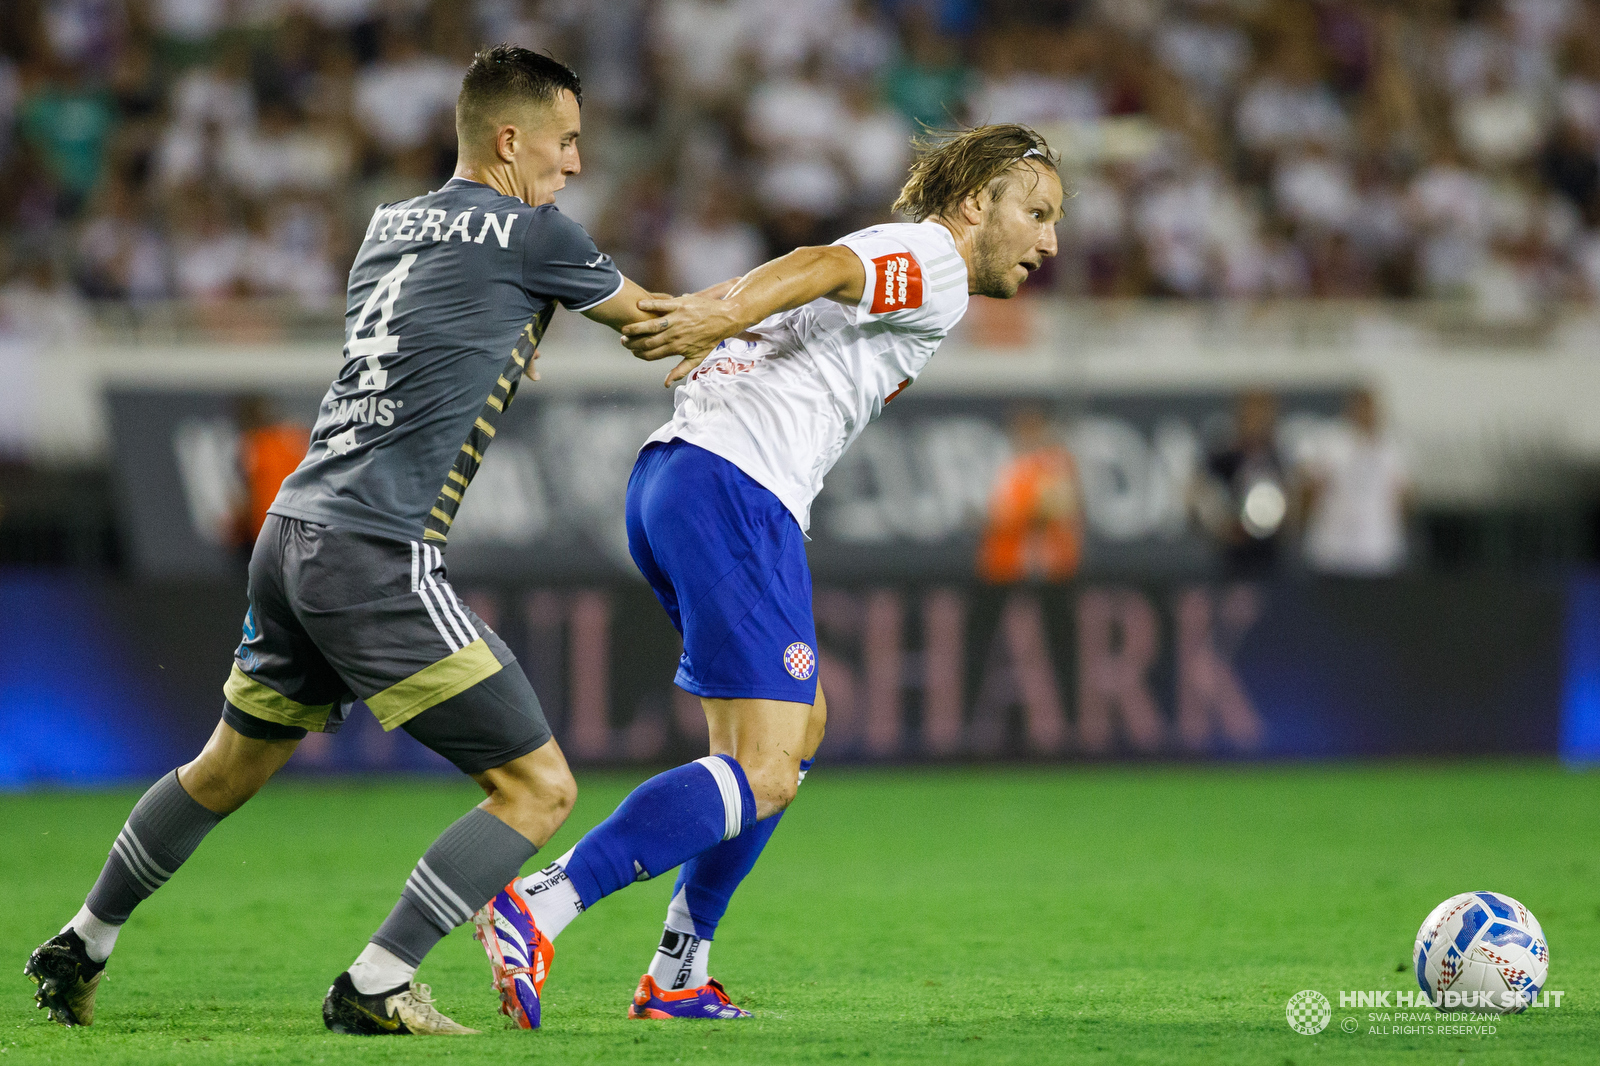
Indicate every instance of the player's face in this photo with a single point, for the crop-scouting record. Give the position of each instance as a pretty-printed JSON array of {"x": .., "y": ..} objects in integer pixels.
[
  {"x": 547, "y": 154},
  {"x": 1017, "y": 233}
]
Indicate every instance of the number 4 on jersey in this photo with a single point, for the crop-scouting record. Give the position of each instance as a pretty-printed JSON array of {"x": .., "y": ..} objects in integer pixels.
[{"x": 380, "y": 342}]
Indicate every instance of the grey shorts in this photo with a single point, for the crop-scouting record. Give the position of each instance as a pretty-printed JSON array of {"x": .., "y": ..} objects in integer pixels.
[{"x": 337, "y": 616}]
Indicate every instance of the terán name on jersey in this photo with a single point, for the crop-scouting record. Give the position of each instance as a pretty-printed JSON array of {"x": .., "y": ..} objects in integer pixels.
[
  {"x": 449, "y": 296},
  {"x": 785, "y": 399},
  {"x": 427, "y": 224}
]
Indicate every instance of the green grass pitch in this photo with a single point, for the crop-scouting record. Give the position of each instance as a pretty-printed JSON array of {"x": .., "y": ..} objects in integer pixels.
[{"x": 1096, "y": 915}]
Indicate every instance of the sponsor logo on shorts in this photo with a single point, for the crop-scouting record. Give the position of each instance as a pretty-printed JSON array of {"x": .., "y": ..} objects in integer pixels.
[
  {"x": 800, "y": 661},
  {"x": 248, "y": 660}
]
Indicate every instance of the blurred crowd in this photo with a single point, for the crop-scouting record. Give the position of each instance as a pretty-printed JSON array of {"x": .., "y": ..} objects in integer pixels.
[{"x": 207, "y": 149}]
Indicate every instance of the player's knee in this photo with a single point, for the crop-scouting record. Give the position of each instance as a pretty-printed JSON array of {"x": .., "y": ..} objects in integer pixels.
[
  {"x": 219, "y": 787},
  {"x": 560, "y": 789},
  {"x": 772, "y": 783},
  {"x": 534, "y": 789},
  {"x": 781, "y": 792},
  {"x": 232, "y": 767}
]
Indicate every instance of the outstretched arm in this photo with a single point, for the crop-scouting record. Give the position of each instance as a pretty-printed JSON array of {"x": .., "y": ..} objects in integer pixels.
[
  {"x": 624, "y": 307},
  {"x": 690, "y": 326}
]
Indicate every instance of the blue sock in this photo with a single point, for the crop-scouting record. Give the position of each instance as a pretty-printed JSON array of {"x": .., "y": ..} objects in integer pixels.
[
  {"x": 707, "y": 881},
  {"x": 664, "y": 822}
]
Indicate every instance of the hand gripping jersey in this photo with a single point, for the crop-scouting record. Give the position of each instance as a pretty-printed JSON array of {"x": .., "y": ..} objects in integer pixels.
[
  {"x": 785, "y": 399},
  {"x": 449, "y": 296}
]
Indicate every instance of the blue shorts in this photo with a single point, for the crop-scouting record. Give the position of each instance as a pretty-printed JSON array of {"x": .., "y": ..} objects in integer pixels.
[{"x": 728, "y": 562}]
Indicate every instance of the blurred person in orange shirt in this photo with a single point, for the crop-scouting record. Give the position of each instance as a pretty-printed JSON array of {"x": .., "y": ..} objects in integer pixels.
[
  {"x": 270, "y": 447},
  {"x": 1035, "y": 527}
]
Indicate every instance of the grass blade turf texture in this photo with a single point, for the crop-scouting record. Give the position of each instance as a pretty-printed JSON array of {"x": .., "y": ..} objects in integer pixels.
[{"x": 1099, "y": 915}]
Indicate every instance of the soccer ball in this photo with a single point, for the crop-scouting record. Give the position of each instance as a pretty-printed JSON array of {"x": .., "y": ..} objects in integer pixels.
[{"x": 1481, "y": 951}]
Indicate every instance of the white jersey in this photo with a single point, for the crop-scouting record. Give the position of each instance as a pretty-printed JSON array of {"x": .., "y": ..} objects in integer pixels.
[
  {"x": 785, "y": 399},
  {"x": 1358, "y": 524}
]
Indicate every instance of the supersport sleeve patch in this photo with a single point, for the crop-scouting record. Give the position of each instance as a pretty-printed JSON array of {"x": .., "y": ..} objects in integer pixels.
[{"x": 897, "y": 283}]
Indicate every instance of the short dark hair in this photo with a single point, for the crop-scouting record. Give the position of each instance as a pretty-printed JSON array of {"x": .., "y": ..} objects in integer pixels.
[
  {"x": 952, "y": 165},
  {"x": 505, "y": 74}
]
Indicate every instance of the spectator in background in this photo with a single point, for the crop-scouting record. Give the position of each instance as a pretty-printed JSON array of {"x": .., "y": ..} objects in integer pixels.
[
  {"x": 287, "y": 252},
  {"x": 1093, "y": 235},
  {"x": 216, "y": 93},
  {"x": 209, "y": 252},
  {"x": 1452, "y": 208},
  {"x": 69, "y": 124},
  {"x": 1241, "y": 498},
  {"x": 702, "y": 45},
  {"x": 120, "y": 256},
  {"x": 1224, "y": 149},
  {"x": 400, "y": 98},
  {"x": 929, "y": 83},
  {"x": 1023, "y": 82},
  {"x": 36, "y": 309},
  {"x": 1502, "y": 126},
  {"x": 1203, "y": 46},
  {"x": 280, "y": 152},
  {"x": 187, "y": 26},
  {"x": 1356, "y": 494},
  {"x": 795, "y": 123},
  {"x": 859, "y": 44},
  {"x": 713, "y": 243},
  {"x": 270, "y": 447},
  {"x": 1287, "y": 107},
  {"x": 875, "y": 144},
  {"x": 1035, "y": 525}
]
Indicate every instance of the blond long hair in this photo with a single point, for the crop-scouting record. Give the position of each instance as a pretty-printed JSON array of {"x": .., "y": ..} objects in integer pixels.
[{"x": 954, "y": 164}]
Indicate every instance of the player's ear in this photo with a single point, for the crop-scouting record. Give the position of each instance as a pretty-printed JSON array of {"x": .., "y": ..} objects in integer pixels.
[
  {"x": 506, "y": 139},
  {"x": 971, "y": 208}
]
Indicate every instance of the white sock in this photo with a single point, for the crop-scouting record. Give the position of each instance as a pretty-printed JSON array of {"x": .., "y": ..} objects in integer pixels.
[
  {"x": 98, "y": 937},
  {"x": 378, "y": 970},
  {"x": 682, "y": 960},
  {"x": 551, "y": 897}
]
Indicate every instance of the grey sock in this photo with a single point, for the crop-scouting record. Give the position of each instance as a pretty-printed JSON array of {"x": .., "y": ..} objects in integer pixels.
[
  {"x": 460, "y": 872},
  {"x": 164, "y": 829}
]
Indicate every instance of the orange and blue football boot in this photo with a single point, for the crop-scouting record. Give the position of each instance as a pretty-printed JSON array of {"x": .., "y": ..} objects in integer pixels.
[
  {"x": 710, "y": 1000},
  {"x": 519, "y": 955}
]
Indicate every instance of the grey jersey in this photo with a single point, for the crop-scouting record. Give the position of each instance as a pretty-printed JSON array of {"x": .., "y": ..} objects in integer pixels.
[{"x": 448, "y": 298}]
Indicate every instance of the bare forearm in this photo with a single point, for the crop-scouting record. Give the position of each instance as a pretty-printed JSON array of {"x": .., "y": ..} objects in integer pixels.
[
  {"x": 623, "y": 308},
  {"x": 794, "y": 280},
  {"x": 691, "y": 326}
]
